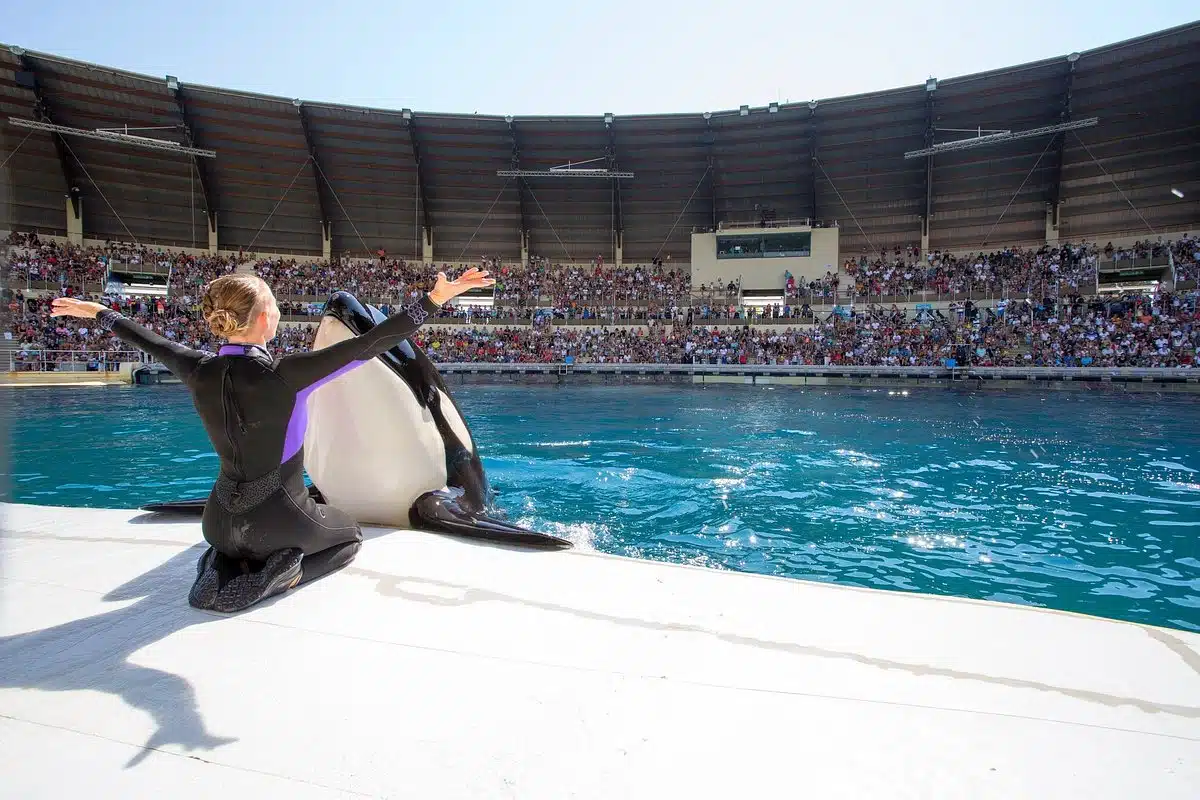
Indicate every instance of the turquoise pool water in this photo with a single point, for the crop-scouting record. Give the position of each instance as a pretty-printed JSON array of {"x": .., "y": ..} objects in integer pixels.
[{"x": 1070, "y": 500}]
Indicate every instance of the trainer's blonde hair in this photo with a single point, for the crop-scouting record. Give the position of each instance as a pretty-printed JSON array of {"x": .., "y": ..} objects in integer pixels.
[{"x": 231, "y": 302}]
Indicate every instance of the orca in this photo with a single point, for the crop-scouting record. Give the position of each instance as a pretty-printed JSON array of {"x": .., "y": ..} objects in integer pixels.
[{"x": 387, "y": 443}]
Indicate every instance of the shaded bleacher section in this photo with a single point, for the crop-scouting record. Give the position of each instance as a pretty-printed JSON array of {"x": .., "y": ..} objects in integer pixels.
[{"x": 319, "y": 179}]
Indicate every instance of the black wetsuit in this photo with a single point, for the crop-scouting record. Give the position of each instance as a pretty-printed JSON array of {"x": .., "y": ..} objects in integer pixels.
[{"x": 255, "y": 409}]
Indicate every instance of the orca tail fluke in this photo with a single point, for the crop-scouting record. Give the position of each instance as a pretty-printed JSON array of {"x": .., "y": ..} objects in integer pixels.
[
  {"x": 195, "y": 506},
  {"x": 441, "y": 512}
]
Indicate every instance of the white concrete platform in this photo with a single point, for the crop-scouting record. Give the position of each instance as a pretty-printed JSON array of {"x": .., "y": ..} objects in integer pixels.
[{"x": 434, "y": 668}]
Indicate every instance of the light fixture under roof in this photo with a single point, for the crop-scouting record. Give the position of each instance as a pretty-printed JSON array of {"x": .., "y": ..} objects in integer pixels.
[
  {"x": 1073, "y": 57},
  {"x": 1177, "y": 193},
  {"x": 708, "y": 115},
  {"x": 568, "y": 170},
  {"x": 116, "y": 136},
  {"x": 1001, "y": 136}
]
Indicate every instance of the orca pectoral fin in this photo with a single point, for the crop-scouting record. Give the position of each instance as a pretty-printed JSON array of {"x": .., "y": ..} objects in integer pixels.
[
  {"x": 196, "y": 505},
  {"x": 440, "y": 512}
]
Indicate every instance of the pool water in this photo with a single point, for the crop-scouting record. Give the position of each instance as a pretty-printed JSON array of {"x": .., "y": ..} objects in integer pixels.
[{"x": 1078, "y": 501}]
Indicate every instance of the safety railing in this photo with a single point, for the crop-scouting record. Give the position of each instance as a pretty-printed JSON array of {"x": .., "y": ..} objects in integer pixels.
[
  {"x": 795, "y": 222},
  {"x": 27, "y": 283},
  {"x": 71, "y": 360},
  {"x": 836, "y": 371},
  {"x": 818, "y": 299},
  {"x": 1122, "y": 261},
  {"x": 481, "y": 320},
  {"x": 147, "y": 266}
]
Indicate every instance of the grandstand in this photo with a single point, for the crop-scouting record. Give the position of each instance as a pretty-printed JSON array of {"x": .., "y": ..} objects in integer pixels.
[{"x": 317, "y": 197}]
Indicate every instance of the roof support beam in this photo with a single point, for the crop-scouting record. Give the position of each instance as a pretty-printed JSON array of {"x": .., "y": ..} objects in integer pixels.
[
  {"x": 422, "y": 196},
  {"x": 516, "y": 165},
  {"x": 618, "y": 219},
  {"x": 927, "y": 213},
  {"x": 318, "y": 173},
  {"x": 199, "y": 164},
  {"x": 710, "y": 138},
  {"x": 28, "y": 78},
  {"x": 812, "y": 160},
  {"x": 1064, "y": 116}
]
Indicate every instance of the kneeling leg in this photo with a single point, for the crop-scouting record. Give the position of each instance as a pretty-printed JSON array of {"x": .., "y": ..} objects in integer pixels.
[
  {"x": 298, "y": 542},
  {"x": 318, "y": 565}
]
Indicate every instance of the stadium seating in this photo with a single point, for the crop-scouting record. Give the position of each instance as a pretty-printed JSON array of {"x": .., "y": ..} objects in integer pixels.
[{"x": 547, "y": 312}]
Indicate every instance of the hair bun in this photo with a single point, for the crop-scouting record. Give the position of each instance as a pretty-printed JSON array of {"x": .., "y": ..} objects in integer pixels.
[
  {"x": 222, "y": 322},
  {"x": 229, "y": 302}
]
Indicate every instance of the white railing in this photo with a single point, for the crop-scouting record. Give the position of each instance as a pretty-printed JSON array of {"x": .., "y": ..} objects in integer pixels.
[{"x": 71, "y": 360}]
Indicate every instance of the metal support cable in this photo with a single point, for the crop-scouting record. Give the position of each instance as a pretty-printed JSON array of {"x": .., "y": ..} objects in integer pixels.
[
  {"x": 683, "y": 211},
  {"x": 303, "y": 164}
]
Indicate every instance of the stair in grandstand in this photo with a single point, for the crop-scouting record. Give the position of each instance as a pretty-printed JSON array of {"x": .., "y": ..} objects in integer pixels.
[{"x": 7, "y": 348}]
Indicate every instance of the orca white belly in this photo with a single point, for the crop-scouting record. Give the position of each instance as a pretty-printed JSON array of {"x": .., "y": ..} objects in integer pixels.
[{"x": 370, "y": 448}]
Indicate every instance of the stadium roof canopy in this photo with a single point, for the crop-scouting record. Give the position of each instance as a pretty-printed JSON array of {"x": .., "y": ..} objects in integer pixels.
[{"x": 379, "y": 177}]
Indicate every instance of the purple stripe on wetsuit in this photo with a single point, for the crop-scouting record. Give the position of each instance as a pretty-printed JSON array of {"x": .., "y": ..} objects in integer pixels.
[
  {"x": 298, "y": 422},
  {"x": 294, "y": 438},
  {"x": 237, "y": 349}
]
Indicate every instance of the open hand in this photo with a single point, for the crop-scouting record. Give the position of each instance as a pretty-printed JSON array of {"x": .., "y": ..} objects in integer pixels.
[
  {"x": 446, "y": 290},
  {"x": 70, "y": 307}
]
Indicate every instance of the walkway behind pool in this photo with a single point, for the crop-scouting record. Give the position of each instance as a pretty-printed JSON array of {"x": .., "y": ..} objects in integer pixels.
[{"x": 437, "y": 668}]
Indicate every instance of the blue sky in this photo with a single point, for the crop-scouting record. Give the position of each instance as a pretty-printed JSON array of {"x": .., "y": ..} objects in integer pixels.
[{"x": 573, "y": 57}]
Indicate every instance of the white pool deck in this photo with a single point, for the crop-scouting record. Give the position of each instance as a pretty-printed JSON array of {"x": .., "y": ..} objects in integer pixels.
[{"x": 435, "y": 668}]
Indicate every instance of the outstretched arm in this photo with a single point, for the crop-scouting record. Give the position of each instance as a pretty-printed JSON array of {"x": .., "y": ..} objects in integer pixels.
[
  {"x": 302, "y": 370},
  {"x": 177, "y": 358},
  {"x": 307, "y": 370}
]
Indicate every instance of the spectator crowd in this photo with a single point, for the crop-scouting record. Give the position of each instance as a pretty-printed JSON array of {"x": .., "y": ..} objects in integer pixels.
[
  {"x": 32, "y": 260},
  {"x": 1136, "y": 330},
  {"x": 546, "y": 312}
]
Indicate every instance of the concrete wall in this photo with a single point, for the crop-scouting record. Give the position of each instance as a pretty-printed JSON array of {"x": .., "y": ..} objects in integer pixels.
[
  {"x": 763, "y": 273},
  {"x": 68, "y": 378}
]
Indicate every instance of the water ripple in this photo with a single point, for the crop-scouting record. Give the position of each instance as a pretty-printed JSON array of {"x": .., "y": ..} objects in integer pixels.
[{"x": 1086, "y": 503}]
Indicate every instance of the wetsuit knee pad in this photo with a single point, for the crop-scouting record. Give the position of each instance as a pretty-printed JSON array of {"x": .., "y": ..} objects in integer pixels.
[
  {"x": 330, "y": 560},
  {"x": 347, "y": 553}
]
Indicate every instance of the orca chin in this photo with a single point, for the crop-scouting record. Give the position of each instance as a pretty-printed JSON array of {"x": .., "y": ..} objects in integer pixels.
[{"x": 387, "y": 444}]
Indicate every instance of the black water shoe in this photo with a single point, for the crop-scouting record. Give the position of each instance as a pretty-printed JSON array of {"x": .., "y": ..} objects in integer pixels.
[{"x": 281, "y": 572}]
